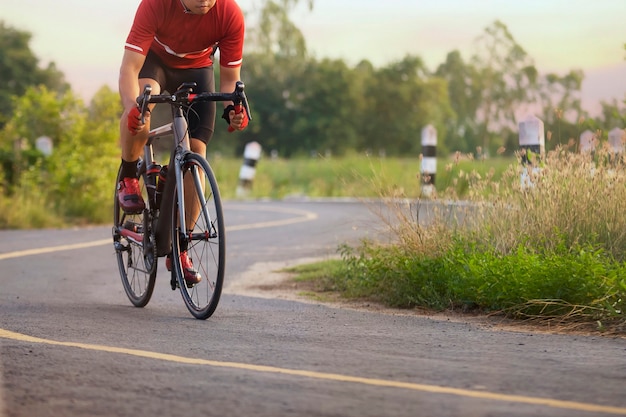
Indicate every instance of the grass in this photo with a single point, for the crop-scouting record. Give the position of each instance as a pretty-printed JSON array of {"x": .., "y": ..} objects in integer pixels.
[
  {"x": 350, "y": 176},
  {"x": 552, "y": 253}
]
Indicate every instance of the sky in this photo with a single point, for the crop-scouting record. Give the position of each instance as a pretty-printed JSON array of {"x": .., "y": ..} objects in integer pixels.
[{"x": 85, "y": 39}]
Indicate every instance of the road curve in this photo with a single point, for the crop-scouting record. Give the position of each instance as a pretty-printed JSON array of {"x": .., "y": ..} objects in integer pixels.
[{"x": 71, "y": 344}]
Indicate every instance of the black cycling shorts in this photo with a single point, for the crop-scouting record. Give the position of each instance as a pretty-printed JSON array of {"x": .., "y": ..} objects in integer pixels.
[{"x": 201, "y": 114}]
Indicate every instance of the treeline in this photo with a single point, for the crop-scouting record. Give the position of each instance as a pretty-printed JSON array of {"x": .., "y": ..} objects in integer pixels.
[
  {"x": 305, "y": 105},
  {"x": 301, "y": 105}
]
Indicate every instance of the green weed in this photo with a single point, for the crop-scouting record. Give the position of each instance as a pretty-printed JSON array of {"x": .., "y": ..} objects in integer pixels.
[{"x": 552, "y": 249}]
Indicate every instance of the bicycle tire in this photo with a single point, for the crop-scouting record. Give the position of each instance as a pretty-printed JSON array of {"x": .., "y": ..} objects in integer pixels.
[
  {"x": 137, "y": 267},
  {"x": 206, "y": 244}
]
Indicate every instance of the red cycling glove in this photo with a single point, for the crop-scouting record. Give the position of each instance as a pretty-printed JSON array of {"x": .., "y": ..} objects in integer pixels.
[
  {"x": 238, "y": 109},
  {"x": 134, "y": 120}
]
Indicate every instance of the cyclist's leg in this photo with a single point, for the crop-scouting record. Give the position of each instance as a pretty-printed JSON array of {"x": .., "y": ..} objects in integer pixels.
[
  {"x": 136, "y": 264},
  {"x": 153, "y": 73},
  {"x": 132, "y": 146},
  {"x": 192, "y": 202}
]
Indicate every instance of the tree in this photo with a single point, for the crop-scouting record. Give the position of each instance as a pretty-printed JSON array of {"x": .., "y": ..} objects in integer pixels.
[
  {"x": 613, "y": 115},
  {"x": 464, "y": 96},
  {"x": 84, "y": 166},
  {"x": 19, "y": 69},
  {"x": 274, "y": 62},
  {"x": 399, "y": 101},
  {"x": 300, "y": 106},
  {"x": 276, "y": 34},
  {"x": 78, "y": 177},
  {"x": 37, "y": 112},
  {"x": 324, "y": 108},
  {"x": 508, "y": 80},
  {"x": 561, "y": 106}
]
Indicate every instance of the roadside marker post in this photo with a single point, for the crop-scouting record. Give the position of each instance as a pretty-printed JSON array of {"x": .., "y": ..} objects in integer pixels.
[
  {"x": 429, "y": 160},
  {"x": 251, "y": 155},
  {"x": 532, "y": 142}
]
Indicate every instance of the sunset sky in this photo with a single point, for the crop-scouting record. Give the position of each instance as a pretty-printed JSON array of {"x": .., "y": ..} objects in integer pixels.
[{"x": 85, "y": 39}]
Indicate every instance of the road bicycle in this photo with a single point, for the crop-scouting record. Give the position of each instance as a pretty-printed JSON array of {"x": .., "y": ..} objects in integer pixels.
[{"x": 183, "y": 210}]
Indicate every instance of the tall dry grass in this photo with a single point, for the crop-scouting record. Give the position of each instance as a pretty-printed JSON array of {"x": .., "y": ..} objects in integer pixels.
[
  {"x": 568, "y": 199},
  {"x": 546, "y": 241}
]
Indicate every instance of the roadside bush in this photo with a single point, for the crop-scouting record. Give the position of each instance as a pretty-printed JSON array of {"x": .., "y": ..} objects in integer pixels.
[{"x": 74, "y": 185}]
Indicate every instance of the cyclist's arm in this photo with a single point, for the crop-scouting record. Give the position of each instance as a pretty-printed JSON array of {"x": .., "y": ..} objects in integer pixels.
[
  {"x": 129, "y": 78},
  {"x": 228, "y": 77}
]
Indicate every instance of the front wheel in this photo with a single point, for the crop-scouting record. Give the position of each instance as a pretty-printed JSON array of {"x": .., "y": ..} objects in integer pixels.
[{"x": 202, "y": 237}]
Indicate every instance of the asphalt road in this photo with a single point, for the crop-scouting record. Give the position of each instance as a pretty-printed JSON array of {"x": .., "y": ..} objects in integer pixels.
[{"x": 71, "y": 344}]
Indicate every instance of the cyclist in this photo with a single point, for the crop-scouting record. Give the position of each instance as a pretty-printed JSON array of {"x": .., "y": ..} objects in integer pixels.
[{"x": 171, "y": 42}]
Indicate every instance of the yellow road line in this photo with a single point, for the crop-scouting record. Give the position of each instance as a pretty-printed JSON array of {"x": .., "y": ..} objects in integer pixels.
[
  {"x": 435, "y": 389},
  {"x": 50, "y": 249},
  {"x": 303, "y": 216}
]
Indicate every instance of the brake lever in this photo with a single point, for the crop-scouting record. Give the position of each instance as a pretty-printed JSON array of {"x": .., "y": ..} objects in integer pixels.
[
  {"x": 144, "y": 102},
  {"x": 244, "y": 103},
  {"x": 242, "y": 98}
]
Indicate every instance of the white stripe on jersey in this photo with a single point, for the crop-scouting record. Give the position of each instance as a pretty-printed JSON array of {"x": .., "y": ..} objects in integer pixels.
[
  {"x": 135, "y": 47},
  {"x": 235, "y": 62}
]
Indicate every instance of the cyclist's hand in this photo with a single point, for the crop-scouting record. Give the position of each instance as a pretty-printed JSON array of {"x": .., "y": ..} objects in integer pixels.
[
  {"x": 236, "y": 117},
  {"x": 134, "y": 121}
]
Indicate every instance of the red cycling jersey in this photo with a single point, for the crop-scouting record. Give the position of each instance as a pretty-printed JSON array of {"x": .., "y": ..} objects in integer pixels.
[{"x": 184, "y": 40}]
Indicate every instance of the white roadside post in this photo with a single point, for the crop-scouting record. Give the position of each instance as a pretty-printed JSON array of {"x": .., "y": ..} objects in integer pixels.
[
  {"x": 587, "y": 142},
  {"x": 251, "y": 155},
  {"x": 44, "y": 144},
  {"x": 429, "y": 160},
  {"x": 617, "y": 138},
  {"x": 587, "y": 146},
  {"x": 532, "y": 142}
]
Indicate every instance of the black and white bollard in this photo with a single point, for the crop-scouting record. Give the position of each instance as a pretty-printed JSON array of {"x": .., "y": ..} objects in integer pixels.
[
  {"x": 532, "y": 143},
  {"x": 251, "y": 155},
  {"x": 429, "y": 160}
]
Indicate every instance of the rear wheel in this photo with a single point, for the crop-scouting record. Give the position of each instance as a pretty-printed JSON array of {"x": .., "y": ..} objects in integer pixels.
[
  {"x": 135, "y": 250},
  {"x": 204, "y": 239}
]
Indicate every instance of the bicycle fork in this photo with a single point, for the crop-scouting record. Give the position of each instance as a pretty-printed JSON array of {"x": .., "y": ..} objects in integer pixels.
[{"x": 188, "y": 224}]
